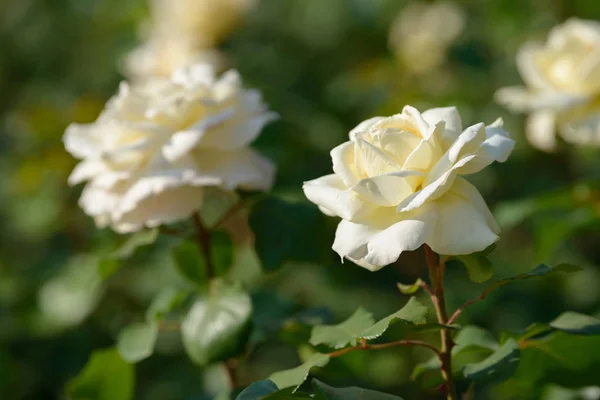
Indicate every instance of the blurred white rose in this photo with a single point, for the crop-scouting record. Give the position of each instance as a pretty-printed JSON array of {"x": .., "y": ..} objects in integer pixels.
[
  {"x": 421, "y": 34},
  {"x": 209, "y": 21},
  {"x": 156, "y": 146},
  {"x": 563, "y": 86},
  {"x": 397, "y": 185},
  {"x": 181, "y": 33},
  {"x": 162, "y": 55}
]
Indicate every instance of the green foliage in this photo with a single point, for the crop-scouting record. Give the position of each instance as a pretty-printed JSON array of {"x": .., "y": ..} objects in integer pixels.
[
  {"x": 109, "y": 265},
  {"x": 499, "y": 366},
  {"x": 285, "y": 231},
  {"x": 191, "y": 263},
  {"x": 106, "y": 376},
  {"x": 540, "y": 270},
  {"x": 258, "y": 390},
  {"x": 480, "y": 269},
  {"x": 293, "y": 378},
  {"x": 326, "y": 392},
  {"x": 362, "y": 325},
  {"x": 218, "y": 324},
  {"x": 411, "y": 288},
  {"x": 136, "y": 341}
]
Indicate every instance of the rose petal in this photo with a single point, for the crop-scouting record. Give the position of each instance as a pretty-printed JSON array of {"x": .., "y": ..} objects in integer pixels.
[
  {"x": 387, "y": 190},
  {"x": 540, "y": 130},
  {"x": 343, "y": 163},
  {"x": 331, "y": 193},
  {"x": 453, "y": 123}
]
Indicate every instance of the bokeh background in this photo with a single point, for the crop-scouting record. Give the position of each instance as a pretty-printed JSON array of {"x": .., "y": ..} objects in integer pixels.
[{"x": 324, "y": 66}]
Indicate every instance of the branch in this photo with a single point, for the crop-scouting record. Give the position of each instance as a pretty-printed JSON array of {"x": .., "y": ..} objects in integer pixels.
[
  {"x": 204, "y": 241},
  {"x": 365, "y": 346},
  {"x": 229, "y": 213},
  {"x": 466, "y": 304}
]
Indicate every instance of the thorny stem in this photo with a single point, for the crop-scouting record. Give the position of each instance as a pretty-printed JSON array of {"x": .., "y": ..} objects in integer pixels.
[
  {"x": 365, "y": 346},
  {"x": 204, "y": 241},
  {"x": 466, "y": 304},
  {"x": 436, "y": 275}
]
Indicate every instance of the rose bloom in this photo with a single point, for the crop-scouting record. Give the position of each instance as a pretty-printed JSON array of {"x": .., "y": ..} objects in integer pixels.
[
  {"x": 210, "y": 21},
  {"x": 156, "y": 146},
  {"x": 397, "y": 185},
  {"x": 161, "y": 55},
  {"x": 563, "y": 86},
  {"x": 424, "y": 32}
]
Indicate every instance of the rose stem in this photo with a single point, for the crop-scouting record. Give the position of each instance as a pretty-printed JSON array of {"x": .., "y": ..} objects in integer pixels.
[
  {"x": 204, "y": 241},
  {"x": 436, "y": 275}
]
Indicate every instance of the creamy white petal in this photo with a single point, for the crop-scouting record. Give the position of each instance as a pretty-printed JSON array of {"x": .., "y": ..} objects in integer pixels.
[
  {"x": 351, "y": 239},
  {"x": 460, "y": 228},
  {"x": 331, "y": 193},
  {"x": 86, "y": 170},
  {"x": 387, "y": 190},
  {"x": 80, "y": 140},
  {"x": 372, "y": 161},
  {"x": 172, "y": 204},
  {"x": 541, "y": 130},
  {"x": 343, "y": 163},
  {"x": 410, "y": 233},
  {"x": 529, "y": 68},
  {"x": 363, "y": 126},
  {"x": 467, "y": 191},
  {"x": 584, "y": 131},
  {"x": 451, "y": 118},
  {"x": 243, "y": 168}
]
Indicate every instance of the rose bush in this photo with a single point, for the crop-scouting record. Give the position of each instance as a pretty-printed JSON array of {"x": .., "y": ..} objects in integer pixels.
[
  {"x": 157, "y": 145},
  {"x": 397, "y": 185},
  {"x": 563, "y": 86}
]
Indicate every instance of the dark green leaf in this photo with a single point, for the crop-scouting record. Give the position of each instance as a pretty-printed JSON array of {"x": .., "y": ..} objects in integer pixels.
[
  {"x": 499, "y": 366},
  {"x": 480, "y": 269},
  {"x": 218, "y": 325},
  {"x": 292, "y": 378},
  {"x": 540, "y": 270},
  {"x": 107, "y": 267},
  {"x": 106, "y": 376},
  {"x": 361, "y": 325},
  {"x": 222, "y": 252},
  {"x": 413, "y": 312},
  {"x": 326, "y": 392},
  {"x": 136, "y": 341},
  {"x": 190, "y": 262},
  {"x": 258, "y": 390},
  {"x": 344, "y": 333},
  {"x": 575, "y": 323}
]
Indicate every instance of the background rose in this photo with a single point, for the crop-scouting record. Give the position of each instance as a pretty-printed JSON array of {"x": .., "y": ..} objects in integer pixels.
[
  {"x": 156, "y": 146},
  {"x": 397, "y": 186},
  {"x": 563, "y": 85}
]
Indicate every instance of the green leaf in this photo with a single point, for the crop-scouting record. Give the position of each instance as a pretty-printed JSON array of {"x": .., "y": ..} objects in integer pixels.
[
  {"x": 361, "y": 325},
  {"x": 136, "y": 341},
  {"x": 106, "y": 376},
  {"x": 164, "y": 302},
  {"x": 326, "y": 392},
  {"x": 287, "y": 231},
  {"x": 258, "y": 390},
  {"x": 135, "y": 241},
  {"x": 413, "y": 312},
  {"x": 480, "y": 269},
  {"x": 293, "y": 378},
  {"x": 107, "y": 267},
  {"x": 410, "y": 289},
  {"x": 575, "y": 323},
  {"x": 499, "y": 366},
  {"x": 338, "y": 336},
  {"x": 540, "y": 270},
  {"x": 190, "y": 263},
  {"x": 218, "y": 324},
  {"x": 561, "y": 358}
]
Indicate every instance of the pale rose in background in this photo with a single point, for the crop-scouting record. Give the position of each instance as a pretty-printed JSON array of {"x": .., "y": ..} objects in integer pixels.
[
  {"x": 421, "y": 34},
  {"x": 157, "y": 145},
  {"x": 563, "y": 86},
  {"x": 397, "y": 185},
  {"x": 181, "y": 33}
]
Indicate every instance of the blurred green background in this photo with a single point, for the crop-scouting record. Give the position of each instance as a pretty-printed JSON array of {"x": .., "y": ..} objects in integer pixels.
[{"x": 324, "y": 66}]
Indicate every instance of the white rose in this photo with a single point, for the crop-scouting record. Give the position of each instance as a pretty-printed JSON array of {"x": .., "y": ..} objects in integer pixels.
[
  {"x": 210, "y": 21},
  {"x": 563, "y": 86},
  {"x": 162, "y": 55},
  {"x": 424, "y": 32},
  {"x": 397, "y": 185},
  {"x": 154, "y": 148}
]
